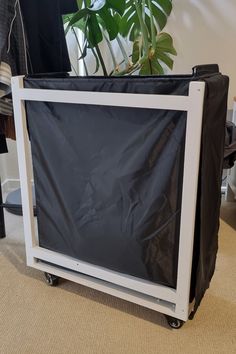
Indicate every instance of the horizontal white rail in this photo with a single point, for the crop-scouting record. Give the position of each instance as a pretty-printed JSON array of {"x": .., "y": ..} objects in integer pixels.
[
  {"x": 127, "y": 281},
  {"x": 109, "y": 288},
  {"x": 134, "y": 100}
]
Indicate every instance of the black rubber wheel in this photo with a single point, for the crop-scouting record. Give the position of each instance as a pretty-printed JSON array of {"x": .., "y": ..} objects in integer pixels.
[
  {"x": 51, "y": 279},
  {"x": 174, "y": 322}
]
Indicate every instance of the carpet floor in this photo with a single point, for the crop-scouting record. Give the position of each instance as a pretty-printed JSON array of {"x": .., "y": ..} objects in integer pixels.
[{"x": 36, "y": 318}]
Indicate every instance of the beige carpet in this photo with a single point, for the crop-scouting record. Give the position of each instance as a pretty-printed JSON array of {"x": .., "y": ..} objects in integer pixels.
[{"x": 35, "y": 318}]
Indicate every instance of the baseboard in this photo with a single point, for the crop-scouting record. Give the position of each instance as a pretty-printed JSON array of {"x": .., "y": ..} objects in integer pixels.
[{"x": 10, "y": 184}]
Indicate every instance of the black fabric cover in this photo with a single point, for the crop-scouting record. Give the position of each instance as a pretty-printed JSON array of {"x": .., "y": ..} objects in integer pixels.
[
  {"x": 109, "y": 180},
  {"x": 209, "y": 190}
]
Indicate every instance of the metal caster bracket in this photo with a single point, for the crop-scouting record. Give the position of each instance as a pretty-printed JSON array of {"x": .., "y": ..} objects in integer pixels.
[{"x": 51, "y": 279}]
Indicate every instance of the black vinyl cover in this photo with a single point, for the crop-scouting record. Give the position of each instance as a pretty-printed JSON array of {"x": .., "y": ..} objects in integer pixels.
[{"x": 109, "y": 180}]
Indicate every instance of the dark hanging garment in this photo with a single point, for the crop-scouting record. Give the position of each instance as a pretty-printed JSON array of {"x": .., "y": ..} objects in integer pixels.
[
  {"x": 12, "y": 58},
  {"x": 68, "y": 6},
  {"x": 12, "y": 41},
  {"x": 109, "y": 179},
  {"x": 47, "y": 49},
  {"x": 7, "y": 126},
  {"x": 3, "y": 143}
]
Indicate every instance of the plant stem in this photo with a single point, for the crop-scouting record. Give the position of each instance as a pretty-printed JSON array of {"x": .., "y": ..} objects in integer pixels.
[
  {"x": 101, "y": 60},
  {"x": 153, "y": 33},
  {"x": 116, "y": 66},
  {"x": 143, "y": 30},
  {"x": 129, "y": 71},
  {"x": 80, "y": 49},
  {"x": 143, "y": 9},
  {"x": 123, "y": 51}
]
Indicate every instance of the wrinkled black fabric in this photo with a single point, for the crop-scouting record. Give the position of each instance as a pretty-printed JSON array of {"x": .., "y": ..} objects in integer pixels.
[
  {"x": 109, "y": 180},
  {"x": 209, "y": 190}
]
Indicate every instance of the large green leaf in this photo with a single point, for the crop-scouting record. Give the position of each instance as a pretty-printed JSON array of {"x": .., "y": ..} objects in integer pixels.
[
  {"x": 81, "y": 24},
  {"x": 128, "y": 21},
  {"x": 117, "y": 5},
  {"x": 78, "y": 16},
  {"x": 109, "y": 21},
  {"x": 129, "y": 24},
  {"x": 165, "y": 59},
  {"x": 166, "y": 6},
  {"x": 159, "y": 16},
  {"x": 165, "y": 43},
  {"x": 93, "y": 14},
  {"x": 153, "y": 65},
  {"x": 94, "y": 31}
]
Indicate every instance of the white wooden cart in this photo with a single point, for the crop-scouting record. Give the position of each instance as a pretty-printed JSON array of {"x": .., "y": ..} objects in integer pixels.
[{"x": 174, "y": 303}]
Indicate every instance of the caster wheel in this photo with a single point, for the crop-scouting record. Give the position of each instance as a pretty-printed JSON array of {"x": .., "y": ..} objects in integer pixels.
[
  {"x": 174, "y": 322},
  {"x": 51, "y": 279}
]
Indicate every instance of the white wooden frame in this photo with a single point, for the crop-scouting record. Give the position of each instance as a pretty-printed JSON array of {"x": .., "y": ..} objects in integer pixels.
[{"x": 173, "y": 302}]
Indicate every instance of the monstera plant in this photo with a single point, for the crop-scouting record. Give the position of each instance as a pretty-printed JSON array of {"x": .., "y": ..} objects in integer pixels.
[{"x": 137, "y": 22}]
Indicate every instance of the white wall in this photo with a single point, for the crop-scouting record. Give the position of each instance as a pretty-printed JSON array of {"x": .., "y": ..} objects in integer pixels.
[
  {"x": 204, "y": 31},
  {"x": 8, "y": 163}
]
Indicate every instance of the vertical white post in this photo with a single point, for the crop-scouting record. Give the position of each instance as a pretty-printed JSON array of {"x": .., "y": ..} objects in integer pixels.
[
  {"x": 23, "y": 151},
  {"x": 189, "y": 196}
]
